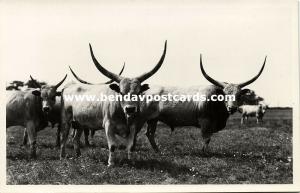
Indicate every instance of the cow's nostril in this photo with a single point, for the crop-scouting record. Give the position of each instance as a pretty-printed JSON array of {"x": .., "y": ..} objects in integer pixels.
[
  {"x": 130, "y": 110},
  {"x": 46, "y": 109}
]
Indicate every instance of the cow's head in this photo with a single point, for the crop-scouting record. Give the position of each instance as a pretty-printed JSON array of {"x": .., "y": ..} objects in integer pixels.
[
  {"x": 232, "y": 89},
  {"x": 48, "y": 94},
  {"x": 132, "y": 86},
  {"x": 263, "y": 107}
]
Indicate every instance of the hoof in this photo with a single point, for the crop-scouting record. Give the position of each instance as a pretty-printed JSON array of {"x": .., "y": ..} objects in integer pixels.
[
  {"x": 62, "y": 156},
  {"x": 32, "y": 156},
  {"x": 22, "y": 145},
  {"x": 88, "y": 145},
  {"x": 110, "y": 165},
  {"x": 157, "y": 151},
  {"x": 78, "y": 154}
]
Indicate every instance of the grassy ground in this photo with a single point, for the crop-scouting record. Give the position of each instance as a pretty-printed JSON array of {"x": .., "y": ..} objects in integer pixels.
[{"x": 255, "y": 154}]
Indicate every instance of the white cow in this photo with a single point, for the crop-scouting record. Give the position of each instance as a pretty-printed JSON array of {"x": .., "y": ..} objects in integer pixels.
[{"x": 257, "y": 111}]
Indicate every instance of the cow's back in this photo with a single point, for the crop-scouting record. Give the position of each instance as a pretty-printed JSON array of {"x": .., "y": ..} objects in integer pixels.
[
  {"x": 249, "y": 110},
  {"x": 89, "y": 113},
  {"x": 188, "y": 113}
]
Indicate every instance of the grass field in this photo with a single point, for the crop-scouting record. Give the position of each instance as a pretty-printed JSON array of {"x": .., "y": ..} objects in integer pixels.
[{"x": 250, "y": 154}]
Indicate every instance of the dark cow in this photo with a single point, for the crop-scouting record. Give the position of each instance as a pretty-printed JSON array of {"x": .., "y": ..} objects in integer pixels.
[{"x": 211, "y": 116}]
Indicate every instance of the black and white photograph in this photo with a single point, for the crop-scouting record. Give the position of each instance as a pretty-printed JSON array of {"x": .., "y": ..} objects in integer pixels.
[{"x": 189, "y": 95}]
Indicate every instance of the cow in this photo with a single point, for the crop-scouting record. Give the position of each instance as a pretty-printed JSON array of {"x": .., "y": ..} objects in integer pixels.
[
  {"x": 118, "y": 118},
  {"x": 257, "y": 111},
  {"x": 24, "y": 108},
  {"x": 52, "y": 106},
  {"x": 50, "y": 98},
  {"x": 87, "y": 131},
  {"x": 210, "y": 116}
]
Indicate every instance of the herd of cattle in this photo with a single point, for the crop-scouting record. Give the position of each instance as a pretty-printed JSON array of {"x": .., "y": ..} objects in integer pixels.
[{"x": 36, "y": 105}]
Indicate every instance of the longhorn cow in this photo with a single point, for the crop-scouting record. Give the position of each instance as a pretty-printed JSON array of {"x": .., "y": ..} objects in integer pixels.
[
  {"x": 210, "y": 116},
  {"x": 118, "y": 118}
]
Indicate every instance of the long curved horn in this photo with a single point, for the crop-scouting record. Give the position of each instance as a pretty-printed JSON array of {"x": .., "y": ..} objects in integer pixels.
[
  {"x": 253, "y": 79},
  {"x": 155, "y": 69},
  {"x": 213, "y": 81},
  {"x": 107, "y": 73},
  {"x": 111, "y": 81},
  {"x": 79, "y": 79},
  {"x": 37, "y": 84},
  {"x": 85, "y": 82},
  {"x": 58, "y": 84}
]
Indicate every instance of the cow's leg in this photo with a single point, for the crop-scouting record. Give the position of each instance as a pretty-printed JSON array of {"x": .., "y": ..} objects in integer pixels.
[
  {"x": 134, "y": 142},
  {"x": 76, "y": 142},
  {"x": 111, "y": 141},
  {"x": 242, "y": 120},
  {"x": 151, "y": 128},
  {"x": 130, "y": 140},
  {"x": 86, "y": 136},
  {"x": 25, "y": 137},
  {"x": 93, "y": 132},
  {"x": 92, "y": 136},
  {"x": 206, "y": 137},
  {"x": 172, "y": 130},
  {"x": 64, "y": 137},
  {"x": 58, "y": 135},
  {"x": 31, "y": 131},
  {"x": 257, "y": 120},
  {"x": 206, "y": 134}
]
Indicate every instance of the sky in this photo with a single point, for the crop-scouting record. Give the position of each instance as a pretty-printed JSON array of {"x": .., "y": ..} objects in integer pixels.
[{"x": 43, "y": 38}]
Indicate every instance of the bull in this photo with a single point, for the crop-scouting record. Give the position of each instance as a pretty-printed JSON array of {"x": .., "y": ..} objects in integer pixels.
[
  {"x": 118, "y": 118},
  {"x": 210, "y": 116}
]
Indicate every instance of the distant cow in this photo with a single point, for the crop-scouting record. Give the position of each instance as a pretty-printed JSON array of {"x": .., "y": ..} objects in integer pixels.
[{"x": 257, "y": 111}]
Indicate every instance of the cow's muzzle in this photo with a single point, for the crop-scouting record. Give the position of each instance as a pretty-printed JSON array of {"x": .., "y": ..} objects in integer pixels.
[
  {"x": 129, "y": 110},
  {"x": 231, "y": 110},
  {"x": 46, "y": 109}
]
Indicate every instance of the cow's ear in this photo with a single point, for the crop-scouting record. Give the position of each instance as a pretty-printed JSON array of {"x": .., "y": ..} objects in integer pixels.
[
  {"x": 58, "y": 94},
  {"x": 114, "y": 87},
  {"x": 144, "y": 87},
  {"x": 245, "y": 91},
  {"x": 36, "y": 92}
]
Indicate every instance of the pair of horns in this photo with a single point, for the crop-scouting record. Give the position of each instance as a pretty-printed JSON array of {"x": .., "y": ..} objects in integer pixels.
[
  {"x": 118, "y": 78},
  {"x": 38, "y": 85},
  {"x": 222, "y": 84}
]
